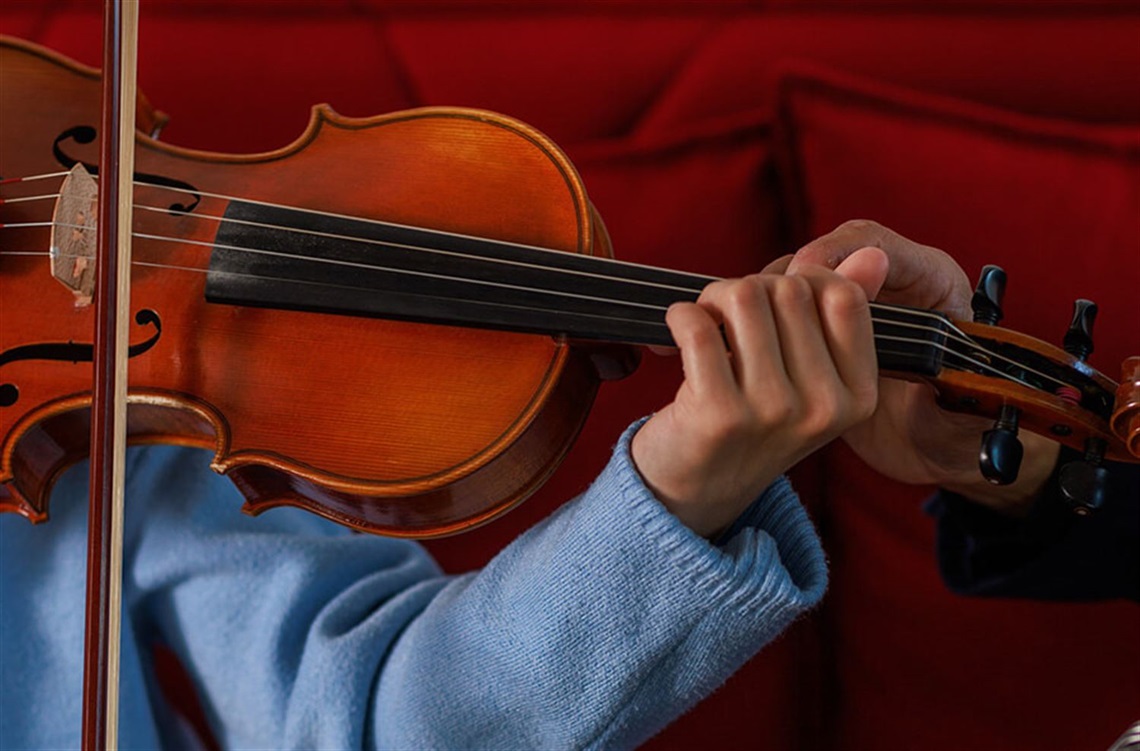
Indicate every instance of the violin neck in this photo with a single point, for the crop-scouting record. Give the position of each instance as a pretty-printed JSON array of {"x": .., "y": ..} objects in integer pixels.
[{"x": 284, "y": 258}]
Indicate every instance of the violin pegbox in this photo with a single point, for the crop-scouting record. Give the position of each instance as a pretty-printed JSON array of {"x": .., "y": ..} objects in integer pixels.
[
  {"x": 1052, "y": 390},
  {"x": 1084, "y": 482},
  {"x": 1126, "y": 415},
  {"x": 1000, "y": 456}
]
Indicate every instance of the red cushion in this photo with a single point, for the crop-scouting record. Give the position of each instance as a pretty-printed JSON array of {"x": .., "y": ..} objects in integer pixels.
[
  {"x": 663, "y": 106},
  {"x": 1076, "y": 60},
  {"x": 240, "y": 75},
  {"x": 1058, "y": 205}
]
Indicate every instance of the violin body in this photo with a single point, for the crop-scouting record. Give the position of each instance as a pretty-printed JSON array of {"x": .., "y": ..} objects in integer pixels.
[
  {"x": 388, "y": 426},
  {"x": 281, "y": 321}
]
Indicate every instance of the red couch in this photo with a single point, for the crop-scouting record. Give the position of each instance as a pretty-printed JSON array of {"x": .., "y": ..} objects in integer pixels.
[{"x": 712, "y": 137}]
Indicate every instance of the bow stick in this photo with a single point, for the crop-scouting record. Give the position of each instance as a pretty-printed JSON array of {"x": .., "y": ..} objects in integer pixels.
[{"x": 109, "y": 399}]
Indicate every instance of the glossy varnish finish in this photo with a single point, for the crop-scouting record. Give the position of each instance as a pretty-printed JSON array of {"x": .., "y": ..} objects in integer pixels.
[
  {"x": 1126, "y": 417},
  {"x": 1042, "y": 412},
  {"x": 391, "y": 427}
]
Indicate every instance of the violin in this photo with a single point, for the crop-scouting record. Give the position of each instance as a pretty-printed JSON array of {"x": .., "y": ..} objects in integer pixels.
[{"x": 398, "y": 322}]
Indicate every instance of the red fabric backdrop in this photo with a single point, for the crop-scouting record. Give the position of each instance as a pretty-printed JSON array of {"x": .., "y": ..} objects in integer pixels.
[{"x": 1018, "y": 115}]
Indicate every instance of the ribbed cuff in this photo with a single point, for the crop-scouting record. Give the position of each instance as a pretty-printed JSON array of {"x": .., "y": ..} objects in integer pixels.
[{"x": 771, "y": 545}]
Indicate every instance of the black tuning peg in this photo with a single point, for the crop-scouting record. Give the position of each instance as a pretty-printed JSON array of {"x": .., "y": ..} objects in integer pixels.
[
  {"x": 1000, "y": 457},
  {"x": 988, "y": 294},
  {"x": 1084, "y": 482},
  {"x": 1078, "y": 339}
]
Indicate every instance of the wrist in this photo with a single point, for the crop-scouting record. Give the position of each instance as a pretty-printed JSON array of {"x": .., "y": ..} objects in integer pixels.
[{"x": 705, "y": 497}]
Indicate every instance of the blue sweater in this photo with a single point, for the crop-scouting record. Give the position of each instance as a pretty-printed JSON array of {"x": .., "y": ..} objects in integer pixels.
[{"x": 593, "y": 630}]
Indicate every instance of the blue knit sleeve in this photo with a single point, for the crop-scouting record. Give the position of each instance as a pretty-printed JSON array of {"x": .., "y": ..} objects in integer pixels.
[{"x": 592, "y": 630}]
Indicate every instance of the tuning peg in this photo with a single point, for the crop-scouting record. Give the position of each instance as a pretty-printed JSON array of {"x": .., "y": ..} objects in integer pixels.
[
  {"x": 1084, "y": 482},
  {"x": 988, "y": 295},
  {"x": 1078, "y": 339},
  {"x": 1000, "y": 457}
]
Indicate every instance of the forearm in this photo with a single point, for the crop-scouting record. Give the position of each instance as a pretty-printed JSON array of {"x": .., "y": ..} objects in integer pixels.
[{"x": 598, "y": 627}]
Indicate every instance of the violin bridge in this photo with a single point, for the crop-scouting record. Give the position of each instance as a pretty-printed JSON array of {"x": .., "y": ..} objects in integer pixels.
[{"x": 74, "y": 234}]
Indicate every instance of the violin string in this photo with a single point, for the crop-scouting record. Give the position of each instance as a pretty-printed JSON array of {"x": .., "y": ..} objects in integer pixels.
[
  {"x": 404, "y": 246},
  {"x": 950, "y": 350},
  {"x": 961, "y": 337},
  {"x": 312, "y": 283},
  {"x": 411, "y": 272},
  {"x": 953, "y": 333},
  {"x": 945, "y": 347},
  {"x": 958, "y": 333},
  {"x": 334, "y": 215},
  {"x": 439, "y": 251},
  {"x": 26, "y": 199},
  {"x": 33, "y": 178},
  {"x": 661, "y": 326}
]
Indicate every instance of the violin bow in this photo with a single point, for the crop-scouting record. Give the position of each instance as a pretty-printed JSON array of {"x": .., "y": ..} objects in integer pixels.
[{"x": 109, "y": 398}]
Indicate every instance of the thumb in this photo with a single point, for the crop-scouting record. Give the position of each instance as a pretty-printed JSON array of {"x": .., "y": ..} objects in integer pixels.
[{"x": 868, "y": 268}]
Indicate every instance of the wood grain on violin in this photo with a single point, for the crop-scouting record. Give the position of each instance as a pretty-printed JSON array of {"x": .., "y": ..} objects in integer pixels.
[
  {"x": 288, "y": 306},
  {"x": 296, "y": 405}
]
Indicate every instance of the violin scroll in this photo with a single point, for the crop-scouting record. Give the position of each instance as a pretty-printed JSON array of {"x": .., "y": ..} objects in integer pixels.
[{"x": 1126, "y": 416}]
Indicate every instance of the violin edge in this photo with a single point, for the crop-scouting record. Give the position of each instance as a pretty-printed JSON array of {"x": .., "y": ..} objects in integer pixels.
[
  {"x": 149, "y": 121},
  {"x": 52, "y": 439}
]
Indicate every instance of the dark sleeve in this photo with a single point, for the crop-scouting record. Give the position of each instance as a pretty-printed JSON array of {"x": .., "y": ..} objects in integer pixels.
[{"x": 1053, "y": 554}]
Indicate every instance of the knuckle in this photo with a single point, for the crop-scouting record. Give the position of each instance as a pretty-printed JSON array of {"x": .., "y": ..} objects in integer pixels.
[
  {"x": 744, "y": 295},
  {"x": 859, "y": 226},
  {"x": 778, "y": 411},
  {"x": 825, "y": 413},
  {"x": 792, "y": 291},
  {"x": 833, "y": 410},
  {"x": 689, "y": 324},
  {"x": 729, "y": 427},
  {"x": 704, "y": 335},
  {"x": 842, "y": 299},
  {"x": 713, "y": 290}
]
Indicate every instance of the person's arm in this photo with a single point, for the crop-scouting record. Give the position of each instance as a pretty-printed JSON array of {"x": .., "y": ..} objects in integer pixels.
[{"x": 594, "y": 629}]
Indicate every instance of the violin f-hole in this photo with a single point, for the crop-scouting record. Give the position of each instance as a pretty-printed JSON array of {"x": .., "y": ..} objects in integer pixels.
[
  {"x": 71, "y": 352},
  {"x": 85, "y": 134}
]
